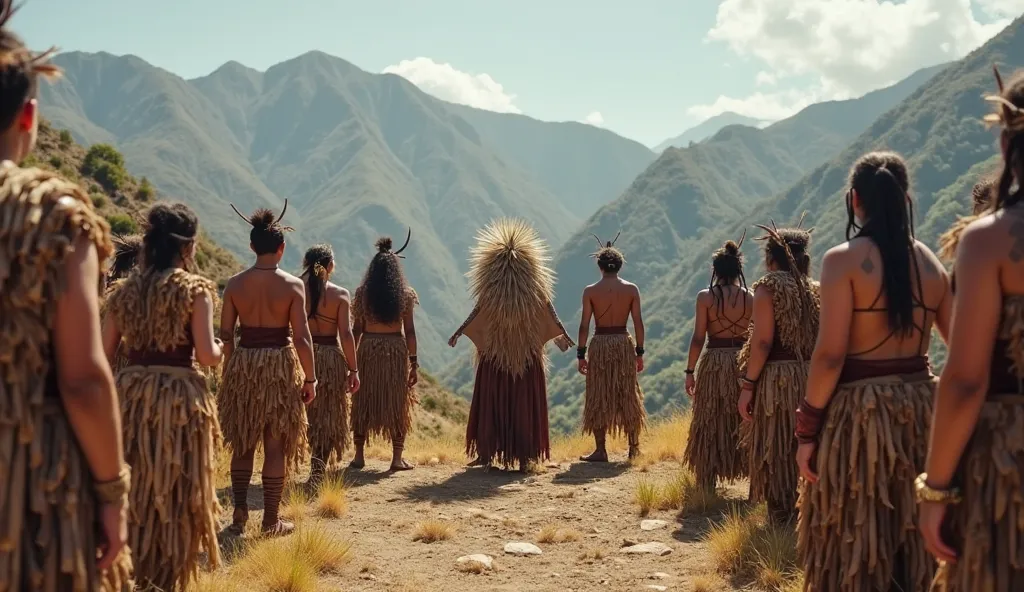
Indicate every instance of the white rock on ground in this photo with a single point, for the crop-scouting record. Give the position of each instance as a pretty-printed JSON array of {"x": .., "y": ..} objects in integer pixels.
[
  {"x": 485, "y": 560},
  {"x": 660, "y": 576},
  {"x": 658, "y": 588},
  {"x": 647, "y": 549},
  {"x": 522, "y": 549},
  {"x": 653, "y": 524}
]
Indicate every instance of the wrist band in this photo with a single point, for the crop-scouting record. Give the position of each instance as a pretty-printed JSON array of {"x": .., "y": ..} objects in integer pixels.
[
  {"x": 412, "y": 360},
  {"x": 353, "y": 370},
  {"x": 116, "y": 490},
  {"x": 639, "y": 351},
  {"x": 581, "y": 353},
  {"x": 809, "y": 421},
  {"x": 311, "y": 381},
  {"x": 689, "y": 371}
]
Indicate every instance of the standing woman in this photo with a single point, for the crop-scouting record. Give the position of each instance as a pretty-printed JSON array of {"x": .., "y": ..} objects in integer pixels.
[
  {"x": 773, "y": 366},
  {"x": 63, "y": 481},
  {"x": 327, "y": 311},
  {"x": 862, "y": 427},
  {"x": 724, "y": 309},
  {"x": 164, "y": 315},
  {"x": 386, "y": 334},
  {"x": 971, "y": 507}
]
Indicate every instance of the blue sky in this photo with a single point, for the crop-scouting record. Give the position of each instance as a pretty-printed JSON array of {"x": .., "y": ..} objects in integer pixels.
[{"x": 647, "y": 69}]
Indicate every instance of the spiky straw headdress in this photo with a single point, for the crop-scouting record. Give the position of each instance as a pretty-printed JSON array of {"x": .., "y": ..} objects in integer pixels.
[
  {"x": 774, "y": 235},
  {"x": 1007, "y": 115},
  {"x": 510, "y": 279}
]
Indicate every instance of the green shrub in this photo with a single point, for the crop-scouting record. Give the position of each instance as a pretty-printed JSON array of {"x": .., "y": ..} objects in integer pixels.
[
  {"x": 106, "y": 164},
  {"x": 56, "y": 161},
  {"x": 98, "y": 199},
  {"x": 65, "y": 138},
  {"x": 110, "y": 176},
  {"x": 122, "y": 224},
  {"x": 30, "y": 161},
  {"x": 202, "y": 258},
  {"x": 146, "y": 191}
]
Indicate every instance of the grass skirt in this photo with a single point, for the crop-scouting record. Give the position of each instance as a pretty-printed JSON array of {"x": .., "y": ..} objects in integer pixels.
[
  {"x": 508, "y": 418},
  {"x": 712, "y": 448},
  {"x": 383, "y": 404},
  {"x": 171, "y": 436},
  {"x": 328, "y": 414},
  {"x": 858, "y": 524},
  {"x": 48, "y": 515},
  {"x": 614, "y": 401},
  {"x": 262, "y": 388},
  {"x": 772, "y": 443},
  {"x": 987, "y": 527}
]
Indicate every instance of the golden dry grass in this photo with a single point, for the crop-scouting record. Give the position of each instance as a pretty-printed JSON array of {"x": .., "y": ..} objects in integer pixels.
[
  {"x": 707, "y": 583},
  {"x": 646, "y": 495},
  {"x": 432, "y": 531},
  {"x": 332, "y": 497},
  {"x": 292, "y": 564},
  {"x": 552, "y": 533},
  {"x": 753, "y": 548}
]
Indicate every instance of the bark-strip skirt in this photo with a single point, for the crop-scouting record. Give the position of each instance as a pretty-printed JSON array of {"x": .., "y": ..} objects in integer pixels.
[
  {"x": 857, "y": 530},
  {"x": 712, "y": 447},
  {"x": 987, "y": 526},
  {"x": 771, "y": 442},
  {"x": 382, "y": 407},
  {"x": 614, "y": 401},
  {"x": 171, "y": 437},
  {"x": 508, "y": 418},
  {"x": 261, "y": 389},
  {"x": 329, "y": 433}
]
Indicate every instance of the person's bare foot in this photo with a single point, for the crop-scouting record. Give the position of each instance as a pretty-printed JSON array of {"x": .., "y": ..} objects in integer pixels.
[
  {"x": 238, "y": 521},
  {"x": 282, "y": 528},
  {"x": 600, "y": 456},
  {"x": 634, "y": 451},
  {"x": 357, "y": 463},
  {"x": 401, "y": 465}
]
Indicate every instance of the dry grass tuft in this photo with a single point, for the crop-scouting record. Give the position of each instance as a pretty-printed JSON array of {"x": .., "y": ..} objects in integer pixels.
[
  {"x": 331, "y": 499},
  {"x": 471, "y": 567},
  {"x": 756, "y": 549},
  {"x": 432, "y": 531},
  {"x": 684, "y": 494},
  {"x": 646, "y": 495},
  {"x": 294, "y": 502},
  {"x": 554, "y": 534},
  {"x": 591, "y": 555},
  {"x": 707, "y": 583},
  {"x": 294, "y": 563}
]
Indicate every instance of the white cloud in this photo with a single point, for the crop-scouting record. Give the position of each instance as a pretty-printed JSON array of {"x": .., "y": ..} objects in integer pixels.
[
  {"x": 594, "y": 118},
  {"x": 848, "y": 47},
  {"x": 450, "y": 84}
]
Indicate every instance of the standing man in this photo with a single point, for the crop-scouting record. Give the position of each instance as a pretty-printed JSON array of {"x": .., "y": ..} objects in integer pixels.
[
  {"x": 614, "y": 401},
  {"x": 511, "y": 323},
  {"x": 267, "y": 381}
]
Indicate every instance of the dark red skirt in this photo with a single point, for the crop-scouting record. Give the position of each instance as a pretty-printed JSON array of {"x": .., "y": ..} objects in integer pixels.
[{"x": 508, "y": 418}]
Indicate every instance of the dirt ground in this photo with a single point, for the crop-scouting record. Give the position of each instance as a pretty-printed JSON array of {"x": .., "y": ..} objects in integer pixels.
[{"x": 487, "y": 509}]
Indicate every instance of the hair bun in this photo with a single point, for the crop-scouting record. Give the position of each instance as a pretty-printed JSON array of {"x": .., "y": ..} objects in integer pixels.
[
  {"x": 262, "y": 218},
  {"x": 384, "y": 244},
  {"x": 731, "y": 248}
]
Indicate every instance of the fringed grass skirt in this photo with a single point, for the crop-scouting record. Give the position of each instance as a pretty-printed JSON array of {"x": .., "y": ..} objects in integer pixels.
[
  {"x": 261, "y": 388},
  {"x": 383, "y": 404},
  {"x": 328, "y": 414},
  {"x": 987, "y": 527},
  {"x": 508, "y": 418},
  {"x": 857, "y": 530},
  {"x": 120, "y": 359},
  {"x": 614, "y": 401},
  {"x": 712, "y": 448},
  {"x": 48, "y": 513},
  {"x": 171, "y": 437},
  {"x": 772, "y": 444}
]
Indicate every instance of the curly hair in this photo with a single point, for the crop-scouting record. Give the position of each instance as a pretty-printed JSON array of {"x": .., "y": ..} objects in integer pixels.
[
  {"x": 726, "y": 266},
  {"x": 981, "y": 195},
  {"x": 315, "y": 263},
  {"x": 170, "y": 227},
  {"x": 610, "y": 260},
  {"x": 384, "y": 285},
  {"x": 20, "y": 69}
]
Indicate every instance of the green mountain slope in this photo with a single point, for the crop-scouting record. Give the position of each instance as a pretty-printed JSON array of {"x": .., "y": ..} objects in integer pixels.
[{"x": 705, "y": 129}]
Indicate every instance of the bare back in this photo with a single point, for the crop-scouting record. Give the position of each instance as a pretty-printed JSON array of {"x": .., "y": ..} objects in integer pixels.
[
  {"x": 728, "y": 309},
  {"x": 264, "y": 297},
  {"x": 327, "y": 319},
  {"x": 870, "y": 336},
  {"x": 612, "y": 301}
]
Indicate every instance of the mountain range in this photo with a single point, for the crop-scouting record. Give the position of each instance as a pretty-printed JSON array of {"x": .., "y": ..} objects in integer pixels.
[{"x": 707, "y": 128}]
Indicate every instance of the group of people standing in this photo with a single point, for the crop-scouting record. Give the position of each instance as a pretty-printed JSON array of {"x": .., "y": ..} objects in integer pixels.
[{"x": 836, "y": 416}]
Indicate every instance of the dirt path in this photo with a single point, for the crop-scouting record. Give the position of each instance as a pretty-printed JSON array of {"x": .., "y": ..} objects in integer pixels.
[{"x": 487, "y": 509}]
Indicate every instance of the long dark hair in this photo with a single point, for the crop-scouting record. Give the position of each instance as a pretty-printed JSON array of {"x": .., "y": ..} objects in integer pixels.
[
  {"x": 20, "y": 69},
  {"x": 727, "y": 266},
  {"x": 1009, "y": 114},
  {"x": 384, "y": 285},
  {"x": 882, "y": 185},
  {"x": 170, "y": 227},
  {"x": 315, "y": 263}
]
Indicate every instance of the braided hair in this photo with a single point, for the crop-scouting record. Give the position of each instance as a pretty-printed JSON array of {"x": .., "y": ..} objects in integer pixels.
[
  {"x": 315, "y": 263},
  {"x": 170, "y": 227},
  {"x": 727, "y": 267},
  {"x": 1009, "y": 114},
  {"x": 267, "y": 234},
  {"x": 20, "y": 69}
]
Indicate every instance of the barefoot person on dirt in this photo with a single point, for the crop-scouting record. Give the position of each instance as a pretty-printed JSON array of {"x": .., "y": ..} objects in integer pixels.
[
  {"x": 511, "y": 323},
  {"x": 722, "y": 315},
  {"x": 327, "y": 311},
  {"x": 63, "y": 481},
  {"x": 614, "y": 402},
  {"x": 267, "y": 381},
  {"x": 385, "y": 332}
]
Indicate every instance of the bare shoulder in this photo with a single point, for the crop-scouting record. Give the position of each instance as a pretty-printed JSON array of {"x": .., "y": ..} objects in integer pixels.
[
  {"x": 631, "y": 287},
  {"x": 987, "y": 232},
  {"x": 338, "y": 291},
  {"x": 704, "y": 296}
]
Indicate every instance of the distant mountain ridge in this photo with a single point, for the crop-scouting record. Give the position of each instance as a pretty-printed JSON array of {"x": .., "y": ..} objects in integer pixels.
[{"x": 707, "y": 128}]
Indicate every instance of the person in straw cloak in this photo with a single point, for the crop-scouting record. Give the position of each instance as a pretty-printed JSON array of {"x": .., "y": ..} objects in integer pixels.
[
  {"x": 126, "y": 256},
  {"x": 614, "y": 401},
  {"x": 327, "y": 312},
  {"x": 773, "y": 366},
  {"x": 511, "y": 323},
  {"x": 721, "y": 319},
  {"x": 63, "y": 481},
  {"x": 971, "y": 510},
  {"x": 267, "y": 379},
  {"x": 161, "y": 319},
  {"x": 862, "y": 425},
  {"x": 385, "y": 332}
]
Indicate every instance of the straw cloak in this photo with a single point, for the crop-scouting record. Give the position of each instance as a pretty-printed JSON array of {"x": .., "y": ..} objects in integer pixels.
[
  {"x": 329, "y": 434},
  {"x": 384, "y": 403},
  {"x": 48, "y": 511},
  {"x": 171, "y": 431},
  {"x": 770, "y": 440},
  {"x": 512, "y": 322},
  {"x": 712, "y": 449},
  {"x": 614, "y": 400},
  {"x": 987, "y": 526}
]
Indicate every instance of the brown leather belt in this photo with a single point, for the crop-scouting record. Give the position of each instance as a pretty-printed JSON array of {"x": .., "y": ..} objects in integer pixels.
[
  {"x": 327, "y": 340},
  {"x": 179, "y": 357},
  {"x": 855, "y": 369},
  {"x": 611, "y": 330},
  {"x": 725, "y": 342},
  {"x": 264, "y": 337}
]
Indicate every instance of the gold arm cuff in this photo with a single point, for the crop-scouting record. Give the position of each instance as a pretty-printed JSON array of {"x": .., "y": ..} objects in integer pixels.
[
  {"x": 116, "y": 490},
  {"x": 925, "y": 493}
]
